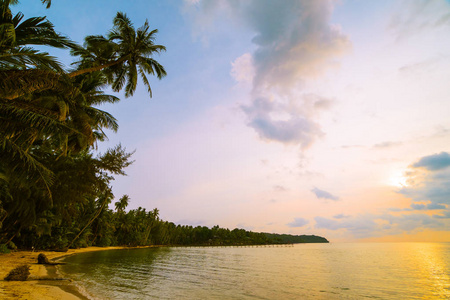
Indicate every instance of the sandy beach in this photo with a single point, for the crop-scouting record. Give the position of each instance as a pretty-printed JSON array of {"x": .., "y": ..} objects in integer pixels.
[{"x": 36, "y": 287}]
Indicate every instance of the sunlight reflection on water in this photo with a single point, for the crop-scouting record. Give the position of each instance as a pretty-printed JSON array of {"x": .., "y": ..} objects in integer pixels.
[{"x": 306, "y": 271}]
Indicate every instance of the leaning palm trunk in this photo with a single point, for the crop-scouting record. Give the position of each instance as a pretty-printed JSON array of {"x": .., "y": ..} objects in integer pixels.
[
  {"x": 98, "y": 68},
  {"x": 90, "y": 222},
  {"x": 147, "y": 233}
]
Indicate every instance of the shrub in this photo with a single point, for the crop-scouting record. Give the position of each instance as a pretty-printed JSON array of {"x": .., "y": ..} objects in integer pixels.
[{"x": 4, "y": 249}]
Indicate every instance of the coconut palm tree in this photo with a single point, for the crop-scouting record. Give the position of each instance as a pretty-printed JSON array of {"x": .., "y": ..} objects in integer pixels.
[
  {"x": 17, "y": 33},
  {"x": 122, "y": 203},
  {"x": 124, "y": 54}
]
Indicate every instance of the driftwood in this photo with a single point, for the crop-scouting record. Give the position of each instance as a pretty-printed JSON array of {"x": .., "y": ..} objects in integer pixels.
[{"x": 43, "y": 260}]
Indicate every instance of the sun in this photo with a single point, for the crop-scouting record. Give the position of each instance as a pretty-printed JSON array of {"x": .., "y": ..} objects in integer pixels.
[{"x": 398, "y": 179}]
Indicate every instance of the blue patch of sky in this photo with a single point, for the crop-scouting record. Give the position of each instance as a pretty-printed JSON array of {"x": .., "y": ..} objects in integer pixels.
[{"x": 198, "y": 75}]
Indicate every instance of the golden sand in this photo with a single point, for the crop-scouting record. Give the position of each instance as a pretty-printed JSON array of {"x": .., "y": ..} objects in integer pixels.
[{"x": 36, "y": 287}]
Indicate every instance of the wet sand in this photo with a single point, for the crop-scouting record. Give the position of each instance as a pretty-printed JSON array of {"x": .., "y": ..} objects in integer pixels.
[{"x": 37, "y": 287}]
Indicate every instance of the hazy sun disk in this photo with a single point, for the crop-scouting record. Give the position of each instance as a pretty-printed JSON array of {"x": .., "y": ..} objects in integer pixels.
[{"x": 398, "y": 179}]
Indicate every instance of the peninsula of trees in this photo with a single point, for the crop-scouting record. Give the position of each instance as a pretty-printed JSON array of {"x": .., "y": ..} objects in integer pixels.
[{"x": 55, "y": 191}]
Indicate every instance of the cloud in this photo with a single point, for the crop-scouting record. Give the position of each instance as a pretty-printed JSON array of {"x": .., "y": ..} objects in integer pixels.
[
  {"x": 243, "y": 68},
  {"x": 244, "y": 226},
  {"x": 427, "y": 65},
  {"x": 321, "y": 194},
  {"x": 294, "y": 42},
  {"x": 351, "y": 146},
  {"x": 341, "y": 216},
  {"x": 287, "y": 123},
  {"x": 299, "y": 44},
  {"x": 279, "y": 188},
  {"x": 446, "y": 215},
  {"x": 431, "y": 206},
  {"x": 435, "y": 189},
  {"x": 298, "y": 222},
  {"x": 428, "y": 189},
  {"x": 429, "y": 182},
  {"x": 360, "y": 226},
  {"x": 418, "y": 16},
  {"x": 385, "y": 145},
  {"x": 434, "y": 162},
  {"x": 368, "y": 225},
  {"x": 412, "y": 222}
]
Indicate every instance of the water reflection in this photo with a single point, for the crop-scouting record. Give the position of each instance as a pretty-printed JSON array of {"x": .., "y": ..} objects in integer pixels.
[{"x": 308, "y": 271}]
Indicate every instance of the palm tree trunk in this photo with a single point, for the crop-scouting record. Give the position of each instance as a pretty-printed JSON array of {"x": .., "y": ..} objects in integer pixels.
[
  {"x": 14, "y": 235},
  {"x": 147, "y": 233},
  {"x": 97, "y": 68},
  {"x": 89, "y": 223}
]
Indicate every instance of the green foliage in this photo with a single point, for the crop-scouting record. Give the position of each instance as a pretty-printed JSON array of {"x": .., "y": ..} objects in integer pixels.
[
  {"x": 4, "y": 249},
  {"x": 123, "y": 55},
  {"x": 294, "y": 239}
]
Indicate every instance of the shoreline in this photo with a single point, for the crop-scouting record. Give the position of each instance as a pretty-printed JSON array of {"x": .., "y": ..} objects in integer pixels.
[{"x": 36, "y": 286}]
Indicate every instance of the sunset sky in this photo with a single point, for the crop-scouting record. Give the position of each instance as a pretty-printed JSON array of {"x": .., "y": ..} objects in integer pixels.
[{"x": 304, "y": 117}]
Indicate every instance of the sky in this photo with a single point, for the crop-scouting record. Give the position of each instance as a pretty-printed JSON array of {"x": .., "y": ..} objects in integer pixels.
[{"x": 303, "y": 117}]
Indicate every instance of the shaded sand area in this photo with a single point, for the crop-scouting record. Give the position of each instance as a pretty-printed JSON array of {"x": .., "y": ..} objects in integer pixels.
[{"x": 36, "y": 287}]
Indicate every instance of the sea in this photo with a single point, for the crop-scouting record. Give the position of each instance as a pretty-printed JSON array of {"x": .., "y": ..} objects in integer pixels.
[{"x": 300, "y": 271}]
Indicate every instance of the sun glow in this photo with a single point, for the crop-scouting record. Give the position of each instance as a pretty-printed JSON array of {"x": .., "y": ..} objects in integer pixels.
[{"x": 398, "y": 179}]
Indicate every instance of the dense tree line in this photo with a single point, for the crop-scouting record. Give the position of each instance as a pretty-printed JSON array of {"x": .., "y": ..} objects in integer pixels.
[
  {"x": 55, "y": 190},
  {"x": 293, "y": 239}
]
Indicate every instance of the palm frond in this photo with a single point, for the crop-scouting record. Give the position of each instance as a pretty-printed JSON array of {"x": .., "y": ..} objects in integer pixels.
[
  {"x": 16, "y": 83},
  {"x": 24, "y": 163},
  {"x": 151, "y": 66},
  {"x": 25, "y": 57},
  {"x": 47, "y": 2},
  {"x": 145, "y": 80},
  {"x": 132, "y": 77},
  {"x": 102, "y": 118},
  {"x": 38, "y": 31},
  {"x": 119, "y": 80}
]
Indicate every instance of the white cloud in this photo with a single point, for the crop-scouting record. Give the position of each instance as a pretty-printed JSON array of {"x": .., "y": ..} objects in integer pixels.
[{"x": 243, "y": 69}]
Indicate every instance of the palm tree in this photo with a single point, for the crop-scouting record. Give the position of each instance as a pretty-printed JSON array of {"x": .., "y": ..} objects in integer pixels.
[
  {"x": 123, "y": 55},
  {"x": 122, "y": 203},
  {"x": 17, "y": 33},
  {"x": 22, "y": 68},
  {"x": 86, "y": 120}
]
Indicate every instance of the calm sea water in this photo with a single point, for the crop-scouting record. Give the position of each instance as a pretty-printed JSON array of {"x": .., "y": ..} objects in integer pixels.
[{"x": 306, "y": 271}]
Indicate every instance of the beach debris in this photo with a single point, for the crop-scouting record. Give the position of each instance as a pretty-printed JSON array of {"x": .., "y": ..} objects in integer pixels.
[
  {"x": 20, "y": 273},
  {"x": 42, "y": 259}
]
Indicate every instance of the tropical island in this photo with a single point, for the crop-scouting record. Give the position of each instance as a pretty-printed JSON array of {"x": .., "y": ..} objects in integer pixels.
[{"x": 55, "y": 190}]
